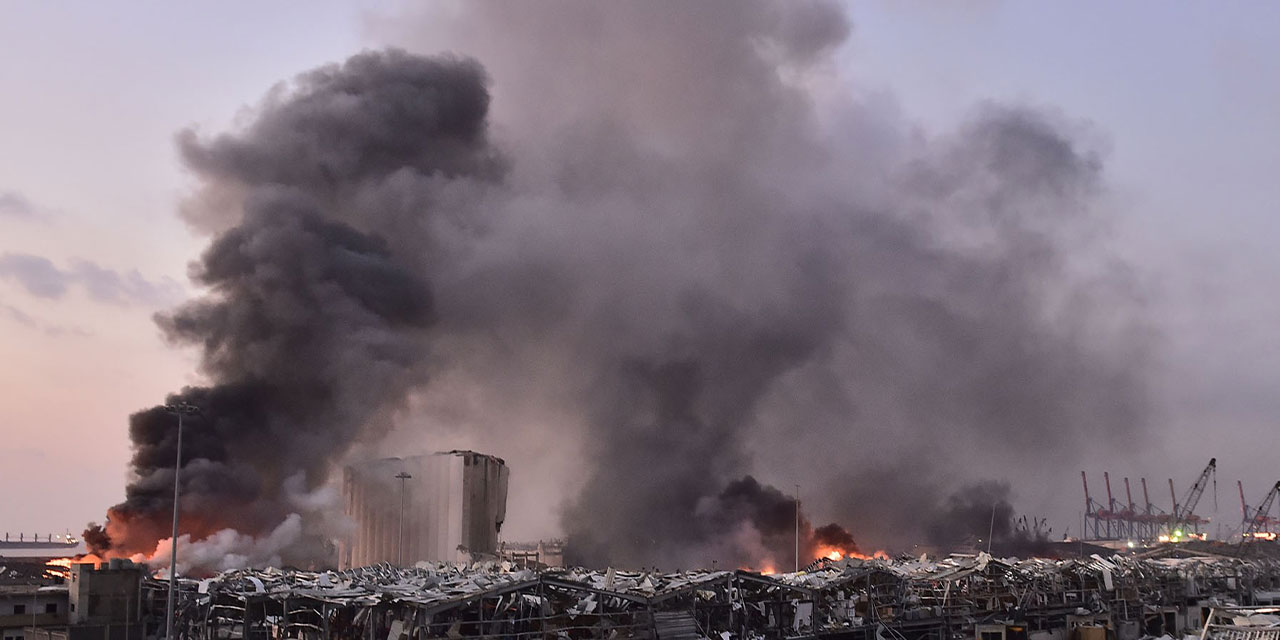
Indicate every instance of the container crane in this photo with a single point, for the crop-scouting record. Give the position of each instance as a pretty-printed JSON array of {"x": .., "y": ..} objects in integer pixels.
[
  {"x": 1184, "y": 513},
  {"x": 1259, "y": 520},
  {"x": 1096, "y": 514},
  {"x": 1155, "y": 516},
  {"x": 1244, "y": 508},
  {"x": 1130, "y": 513}
]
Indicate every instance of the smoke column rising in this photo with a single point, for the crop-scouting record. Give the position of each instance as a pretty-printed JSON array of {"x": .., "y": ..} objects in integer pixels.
[
  {"x": 734, "y": 266},
  {"x": 313, "y": 327},
  {"x": 693, "y": 263}
]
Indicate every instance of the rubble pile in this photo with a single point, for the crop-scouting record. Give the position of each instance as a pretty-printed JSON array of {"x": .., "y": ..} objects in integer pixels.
[{"x": 866, "y": 599}]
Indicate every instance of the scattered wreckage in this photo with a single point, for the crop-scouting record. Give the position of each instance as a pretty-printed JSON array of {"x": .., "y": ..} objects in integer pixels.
[{"x": 879, "y": 599}]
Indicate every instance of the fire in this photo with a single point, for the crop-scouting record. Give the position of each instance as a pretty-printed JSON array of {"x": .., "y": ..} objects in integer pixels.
[
  {"x": 837, "y": 554},
  {"x": 62, "y": 566}
]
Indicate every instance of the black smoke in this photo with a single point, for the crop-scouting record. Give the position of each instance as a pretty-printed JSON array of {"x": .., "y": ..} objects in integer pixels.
[
  {"x": 697, "y": 266},
  {"x": 313, "y": 327},
  {"x": 980, "y": 511},
  {"x": 835, "y": 536},
  {"x": 983, "y": 513}
]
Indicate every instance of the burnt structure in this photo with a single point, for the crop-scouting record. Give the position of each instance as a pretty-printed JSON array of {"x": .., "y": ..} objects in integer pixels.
[
  {"x": 1123, "y": 597},
  {"x": 440, "y": 507}
]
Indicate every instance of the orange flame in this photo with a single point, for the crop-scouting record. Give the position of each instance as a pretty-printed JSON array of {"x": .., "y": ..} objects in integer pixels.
[
  {"x": 61, "y": 567},
  {"x": 837, "y": 554}
]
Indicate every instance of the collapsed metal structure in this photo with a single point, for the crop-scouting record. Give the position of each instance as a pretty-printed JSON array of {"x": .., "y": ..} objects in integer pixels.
[{"x": 854, "y": 599}]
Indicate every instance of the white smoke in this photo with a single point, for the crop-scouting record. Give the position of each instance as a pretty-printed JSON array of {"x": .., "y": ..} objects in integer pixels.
[{"x": 228, "y": 549}]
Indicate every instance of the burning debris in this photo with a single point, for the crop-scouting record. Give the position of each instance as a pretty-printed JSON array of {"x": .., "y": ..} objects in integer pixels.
[
  {"x": 892, "y": 598},
  {"x": 697, "y": 269}
]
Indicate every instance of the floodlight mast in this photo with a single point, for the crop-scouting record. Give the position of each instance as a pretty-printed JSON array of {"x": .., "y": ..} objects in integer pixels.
[
  {"x": 400, "y": 540},
  {"x": 797, "y": 528},
  {"x": 179, "y": 409}
]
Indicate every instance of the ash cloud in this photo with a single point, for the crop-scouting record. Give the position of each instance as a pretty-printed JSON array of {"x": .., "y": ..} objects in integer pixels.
[{"x": 683, "y": 260}]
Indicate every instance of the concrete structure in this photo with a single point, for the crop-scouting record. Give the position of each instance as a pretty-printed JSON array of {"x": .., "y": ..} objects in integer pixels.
[
  {"x": 103, "y": 602},
  {"x": 543, "y": 553},
  {"x": 449, "y": 506},
  {"x": 30, "y": 605},
  {"x": 104, "y": 595}
]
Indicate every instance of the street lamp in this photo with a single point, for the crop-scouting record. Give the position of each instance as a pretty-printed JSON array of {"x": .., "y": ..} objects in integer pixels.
[
  {"x": 400, "y": 544},
  {"x": 179, "y": 409},
  {"x": 797, "y": 528}
]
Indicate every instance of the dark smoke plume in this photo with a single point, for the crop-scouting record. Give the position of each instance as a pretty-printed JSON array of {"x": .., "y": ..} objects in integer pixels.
[
  {"x": 696, "y": 261},
  {"x": 983, "y": 512},
  {"x": 313, "y": 327},
  {"x": 714, "y": 265},
  {"x": 977, "y": 511},
  {"x": 835, "y": 536}
]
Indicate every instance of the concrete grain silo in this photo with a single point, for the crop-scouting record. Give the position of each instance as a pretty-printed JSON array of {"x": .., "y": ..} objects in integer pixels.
[{"x": 453, "y": 503}]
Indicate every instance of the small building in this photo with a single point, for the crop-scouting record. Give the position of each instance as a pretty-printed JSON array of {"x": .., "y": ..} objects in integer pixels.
[
  {"x": 101, "y": 602},
  {"x": 23, "y": 606}
]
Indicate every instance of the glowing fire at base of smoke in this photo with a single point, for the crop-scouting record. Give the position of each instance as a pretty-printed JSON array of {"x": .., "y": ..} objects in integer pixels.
[{"x": 837, "y": 554}]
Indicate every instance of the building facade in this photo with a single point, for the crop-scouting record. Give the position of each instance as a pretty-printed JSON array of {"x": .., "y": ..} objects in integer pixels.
[
  {"x": 27, "y": 606},
  {"x": 101, "y": 602}
]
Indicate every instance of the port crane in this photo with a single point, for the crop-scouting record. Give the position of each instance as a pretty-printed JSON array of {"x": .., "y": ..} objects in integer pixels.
[
  {"x": 1257, "y": 522},
  {"x": 1154, "y": 516},
  {"x": 1184, "y": 512}
]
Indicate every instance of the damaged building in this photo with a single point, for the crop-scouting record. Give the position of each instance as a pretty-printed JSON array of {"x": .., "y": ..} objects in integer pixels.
[
  {"x": 969, "y": 596},
  {"x": 441, "y": 507}
]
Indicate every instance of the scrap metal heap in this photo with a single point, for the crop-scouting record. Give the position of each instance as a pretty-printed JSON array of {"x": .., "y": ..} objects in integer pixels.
[{"x": 858, "y": 599}]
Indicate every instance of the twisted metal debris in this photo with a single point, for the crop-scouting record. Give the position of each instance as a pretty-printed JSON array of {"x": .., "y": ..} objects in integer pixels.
[{"x": 859, "y": 599}]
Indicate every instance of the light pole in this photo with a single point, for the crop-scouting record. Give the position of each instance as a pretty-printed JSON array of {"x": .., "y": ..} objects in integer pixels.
[
  {"x": 179, "y": 409},
  {"x": 400, "y": 544},
  {"x": 991, "y": 528},
  {"x": 797, "y": 528}
]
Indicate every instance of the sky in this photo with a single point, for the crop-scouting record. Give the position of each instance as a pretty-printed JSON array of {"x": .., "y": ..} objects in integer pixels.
[{"x": 1185, "y": 100}]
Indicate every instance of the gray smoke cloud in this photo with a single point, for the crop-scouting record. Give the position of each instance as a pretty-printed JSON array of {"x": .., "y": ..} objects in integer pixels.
[
  {"x": 693, "y": 269},
  {"x": 731, "y": 266}
]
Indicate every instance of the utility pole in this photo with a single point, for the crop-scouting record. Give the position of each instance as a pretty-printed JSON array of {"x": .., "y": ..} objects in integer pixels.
[
  {"x": 179, "y": 409},
  {"x": 400, "y": 545},
  {"x": 991, "y": 528},
  {"x": 797, "y": 528}
]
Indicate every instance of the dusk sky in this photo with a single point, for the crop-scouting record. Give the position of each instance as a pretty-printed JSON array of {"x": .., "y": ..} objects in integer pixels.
[{"x": 1183, "y": 99}]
